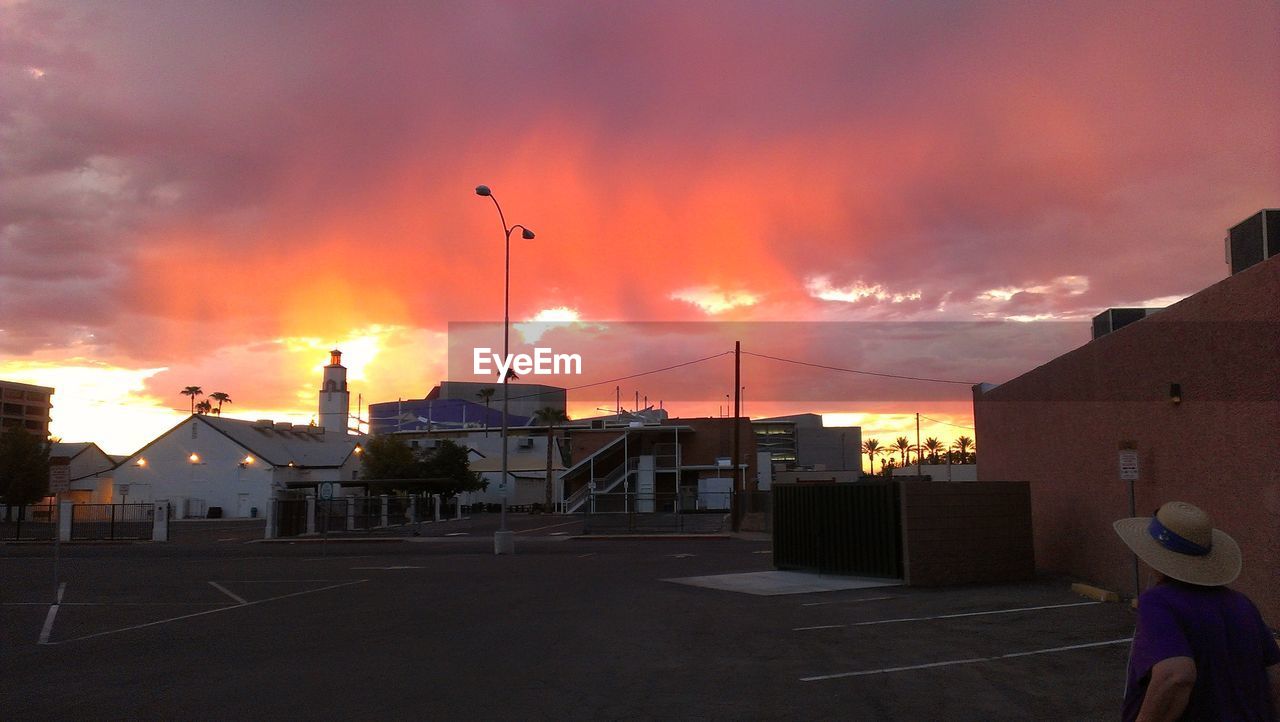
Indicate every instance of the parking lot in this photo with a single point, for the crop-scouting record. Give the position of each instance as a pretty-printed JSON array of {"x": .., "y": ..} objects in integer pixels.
[{"x": 218, "y": 626}]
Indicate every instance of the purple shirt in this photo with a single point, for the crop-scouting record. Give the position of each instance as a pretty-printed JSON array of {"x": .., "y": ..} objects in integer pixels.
[{"x": 1222, "y": 632}]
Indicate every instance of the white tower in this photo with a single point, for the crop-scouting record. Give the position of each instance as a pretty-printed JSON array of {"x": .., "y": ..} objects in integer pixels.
[{"x": 335, "y": 401}]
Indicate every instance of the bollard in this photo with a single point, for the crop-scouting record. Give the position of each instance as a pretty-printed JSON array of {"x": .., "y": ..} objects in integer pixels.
[
  {"x": 351, "y": 513},
  {"x": 384, "y": 510},
  {"x": 64, "y": 520},
  {"x": 271, "y": 519},
  {"x": 436, "y": 497},
  {"x": 413, "y": 509},
  {"x": 311, "y": 513},
  {"x": 160, "y": 522},
  {"x": 457, "y": 506}
]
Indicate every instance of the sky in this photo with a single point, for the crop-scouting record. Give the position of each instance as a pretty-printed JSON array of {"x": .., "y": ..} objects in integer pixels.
[{"x": 216, "y": 194}]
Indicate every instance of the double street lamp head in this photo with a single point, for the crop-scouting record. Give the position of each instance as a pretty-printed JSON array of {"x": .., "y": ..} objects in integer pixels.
[{"x": 525, "y": 233}]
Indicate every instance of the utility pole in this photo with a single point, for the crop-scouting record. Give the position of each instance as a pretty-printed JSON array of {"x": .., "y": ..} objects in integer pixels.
[
  {"x": 737, "y": 433},
  {"x": 917, "y": 444}
]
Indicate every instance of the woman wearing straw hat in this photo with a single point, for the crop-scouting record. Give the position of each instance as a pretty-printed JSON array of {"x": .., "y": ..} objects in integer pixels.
[{"x": 1201, "y": 650}]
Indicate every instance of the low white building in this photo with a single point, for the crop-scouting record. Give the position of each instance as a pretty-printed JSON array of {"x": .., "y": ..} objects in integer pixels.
[
  {"x": 236, "y": 465},
  {"x": 91, "y": 471}
]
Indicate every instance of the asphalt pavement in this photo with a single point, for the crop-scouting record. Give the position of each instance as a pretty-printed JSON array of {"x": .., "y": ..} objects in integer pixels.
[{"x": 222, "y": 626}]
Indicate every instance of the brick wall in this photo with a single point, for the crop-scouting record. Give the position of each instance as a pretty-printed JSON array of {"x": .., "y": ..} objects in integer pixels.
[
  {"x": 1060, "y": 427},
  {"x": 961, "y": 533}
]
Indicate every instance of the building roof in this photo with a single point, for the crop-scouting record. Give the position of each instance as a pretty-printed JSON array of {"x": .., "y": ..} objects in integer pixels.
[
  {"x": 299, "y": 445},
  {"x": 69, "y": 450}
]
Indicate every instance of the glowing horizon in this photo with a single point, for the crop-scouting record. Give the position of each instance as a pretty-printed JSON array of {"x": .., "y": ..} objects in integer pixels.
[{"x": 217, "y": 195}]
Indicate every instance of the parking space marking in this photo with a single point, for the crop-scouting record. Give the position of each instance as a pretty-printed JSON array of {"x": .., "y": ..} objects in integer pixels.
[
  {"x": 549, "y": 526},
  {"x": 47, "y": 629},
  {"x": 846, "y": 601},
  {"x": 971, "y": 660},
  {"x": 945, "y": 616},
  {"x": 389, "y": 568},
  {"x": 208, "y": 611},
  {"x": 459, "y": 533},
  {"x": 239, "y": 599},
  {"x": 588, "y": 554}
]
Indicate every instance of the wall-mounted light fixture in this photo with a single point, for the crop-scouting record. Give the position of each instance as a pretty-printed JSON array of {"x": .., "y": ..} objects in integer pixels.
[
  {"x": 142, "y": 462},
  {"x": 194, "y": 458},
  {"x": 248, "y": 459},
  {"x": 358, "y": 450},
  {"x": 1175, "y": 393}
]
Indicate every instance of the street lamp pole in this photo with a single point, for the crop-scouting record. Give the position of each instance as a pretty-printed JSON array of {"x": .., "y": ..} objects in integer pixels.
[{"x": 503, "y": 541}]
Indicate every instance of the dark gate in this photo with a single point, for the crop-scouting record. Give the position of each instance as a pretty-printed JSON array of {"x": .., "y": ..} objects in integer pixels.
[
  {"x": 111, "y": 521},
  {"x": 853, "y": 528},
  {"x": 291, "y": 517},
  {"x": 32, "y": 522}
]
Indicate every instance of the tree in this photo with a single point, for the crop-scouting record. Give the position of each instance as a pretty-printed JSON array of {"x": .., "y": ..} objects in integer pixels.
[
  {"x": 193, "y": 392},
  {"x": 872, "y": 448},
  {"x": 24, "y": 468},
  {"x": 221, "y": 398},
  {"x": 203, "y": 406},
  {"x": 485, "y": 395},
  {"x": 389, "y": 457},
  {"x": 550, "y": 416},
  {"x": 963, "y": 444},
  {"x": 448, "y": 468},
  {"x": 903, "y": 445},
  {"x": 933, "y": 446}
]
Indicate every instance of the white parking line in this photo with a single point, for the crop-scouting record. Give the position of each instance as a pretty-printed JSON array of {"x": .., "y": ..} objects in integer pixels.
[
  {"x": 971, "y": 660},
  {"x": 47, "y": 629},
  {"x": 845, "y": 601},
  {"x": 239, "y": 599},
  {"x": 945, "y": 616},
  {"x": 209, "y": 611},
  {"x": 549, "y": 526}
]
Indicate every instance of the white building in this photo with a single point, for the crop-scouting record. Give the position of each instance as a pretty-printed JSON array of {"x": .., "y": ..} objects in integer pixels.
[
  {"x": 236, "y": 465},
  {"x": 335, "y": 400},
  {"x": 91, "y": 471}
]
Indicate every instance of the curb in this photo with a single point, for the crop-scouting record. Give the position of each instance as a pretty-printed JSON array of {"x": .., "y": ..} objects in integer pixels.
[{"x": 1096, "y": 593}]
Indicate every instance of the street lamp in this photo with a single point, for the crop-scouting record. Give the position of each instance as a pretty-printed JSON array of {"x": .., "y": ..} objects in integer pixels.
[{"x": 503, "y": 541}]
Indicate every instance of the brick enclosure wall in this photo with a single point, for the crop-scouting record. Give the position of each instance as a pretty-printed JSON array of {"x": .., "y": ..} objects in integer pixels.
[
  {"x": 1060, "y": 427},
  {"x": 966, "y": 532}
]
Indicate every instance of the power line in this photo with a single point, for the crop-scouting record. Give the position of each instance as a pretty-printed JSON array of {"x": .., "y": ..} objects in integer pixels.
[
  {"x": 944, "y": 423},
  {"x": 858, "y": 371}
]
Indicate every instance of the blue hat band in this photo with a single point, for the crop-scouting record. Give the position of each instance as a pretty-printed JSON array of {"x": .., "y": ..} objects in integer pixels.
[{"x": 1174, "y": 543}]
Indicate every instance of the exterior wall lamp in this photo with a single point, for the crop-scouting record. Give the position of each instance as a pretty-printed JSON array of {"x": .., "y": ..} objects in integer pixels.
[{"x": 1175, "y": 394}]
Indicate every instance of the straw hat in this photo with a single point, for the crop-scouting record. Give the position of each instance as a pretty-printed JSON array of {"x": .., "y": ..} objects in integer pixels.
[{"x": 1181, "y": 543}]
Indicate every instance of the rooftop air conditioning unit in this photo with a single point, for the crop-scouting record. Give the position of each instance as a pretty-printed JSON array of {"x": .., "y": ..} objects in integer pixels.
[
  {"x": 1253, "y": 240},
  {"x": 263, "y": 424},
  {"x": 283, "y": 426},
  {"x": 597, "y": 423},
  {"x": 315, "y": 430},
  {"x": 526, "y": 442},
  {"x": 1114, "y": 319}
]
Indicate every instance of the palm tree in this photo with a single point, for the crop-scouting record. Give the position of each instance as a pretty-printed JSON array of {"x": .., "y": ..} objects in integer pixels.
[
  {"x": 193, "y": 392},
  {"x": 485, "y": 394},
  {"x": 221, "y": 398},
  {"x": 904, "y": 447},
  {"x": 872, "y": 448},
  {"x": 203, "y": 407},
  {"x": 550, "y": 416},
  {"x": 963, "y": 444},
  {"x": 933, "y": 446}
]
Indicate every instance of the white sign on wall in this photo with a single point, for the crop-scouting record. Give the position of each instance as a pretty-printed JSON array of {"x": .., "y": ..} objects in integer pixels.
[{"x": 1128, "y": 465}]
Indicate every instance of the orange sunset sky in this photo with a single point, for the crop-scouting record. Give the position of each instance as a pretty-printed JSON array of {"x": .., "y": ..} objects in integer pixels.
[{"x": 216, "y": 194}]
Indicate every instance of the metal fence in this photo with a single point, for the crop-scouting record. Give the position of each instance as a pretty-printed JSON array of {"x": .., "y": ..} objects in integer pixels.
[
  {"x": 35, "y": 522},
  {"x": 640, "y": 513},
  {"x": 112, "y": 521},
  {"x": 853, "y": 528},
  {"x": 349, "y": 514}
]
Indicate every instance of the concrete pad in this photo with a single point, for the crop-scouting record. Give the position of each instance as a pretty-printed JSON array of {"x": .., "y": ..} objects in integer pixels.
[{"x": 768, "y": 584}]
